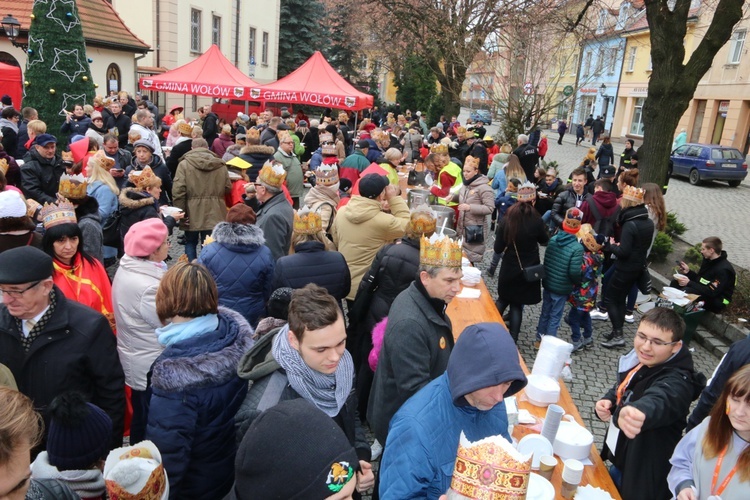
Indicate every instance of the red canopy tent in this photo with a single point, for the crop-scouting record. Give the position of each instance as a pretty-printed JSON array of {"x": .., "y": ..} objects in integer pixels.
[
  {"x": 315, "y": 83},
  {"x": 210, "y": 75},
  {"x": 10, "y": 83}
]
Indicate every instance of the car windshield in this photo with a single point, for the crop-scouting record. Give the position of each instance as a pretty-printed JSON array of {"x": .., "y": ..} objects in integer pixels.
[{"x": 726, "y": 154}]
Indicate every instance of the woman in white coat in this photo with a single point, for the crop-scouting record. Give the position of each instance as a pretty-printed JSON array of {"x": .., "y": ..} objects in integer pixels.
[{"x": 134, "y": 299}]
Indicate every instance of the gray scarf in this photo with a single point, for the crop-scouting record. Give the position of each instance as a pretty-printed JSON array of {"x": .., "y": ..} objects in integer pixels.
[
  {"x": 86, "y": 483},
  {"x": 310, "y": 384}
]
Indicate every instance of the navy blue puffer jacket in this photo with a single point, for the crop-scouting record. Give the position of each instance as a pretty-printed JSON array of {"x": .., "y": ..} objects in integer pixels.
[
  {"x": 311, "y": 263},
  {"x": 242, "y": 266},
  {"x": 196, "y": 394}
]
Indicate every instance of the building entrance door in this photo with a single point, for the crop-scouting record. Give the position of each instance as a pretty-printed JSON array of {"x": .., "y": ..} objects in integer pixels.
[{"x": 700, "y": 112}]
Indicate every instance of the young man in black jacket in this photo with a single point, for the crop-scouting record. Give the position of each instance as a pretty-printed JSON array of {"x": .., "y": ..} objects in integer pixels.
[{"x": 714, "y": 282}]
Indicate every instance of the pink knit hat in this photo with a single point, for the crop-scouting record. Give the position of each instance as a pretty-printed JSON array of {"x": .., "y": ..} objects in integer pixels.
[{"x": 144, "y": 237}]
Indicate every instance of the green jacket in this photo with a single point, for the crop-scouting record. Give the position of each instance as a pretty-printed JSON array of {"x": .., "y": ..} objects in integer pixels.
[
  {"x": 562, "y": 264},
  {"x": 294, "y": 177}
]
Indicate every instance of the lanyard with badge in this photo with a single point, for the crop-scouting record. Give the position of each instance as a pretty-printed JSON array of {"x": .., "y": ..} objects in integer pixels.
[
  {"x": 716, "y": 492},
  {"x": 613, "y": 433}
]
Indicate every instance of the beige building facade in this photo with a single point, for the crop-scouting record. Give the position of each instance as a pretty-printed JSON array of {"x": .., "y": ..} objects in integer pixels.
[{"x": 246, "y": 31}]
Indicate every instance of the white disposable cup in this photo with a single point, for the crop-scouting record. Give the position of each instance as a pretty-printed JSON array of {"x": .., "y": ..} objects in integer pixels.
[
  {"x": 552, "y": 422},
  {"x": 572, "y": 471}
]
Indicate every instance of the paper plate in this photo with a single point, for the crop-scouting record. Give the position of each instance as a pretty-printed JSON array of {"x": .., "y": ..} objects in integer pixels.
[
  {"x": 540, "y": 488},
  {"x": 589, "y": 492},
  {"x": 536, "y": 444},
  {"x": 644, "y": 308}
]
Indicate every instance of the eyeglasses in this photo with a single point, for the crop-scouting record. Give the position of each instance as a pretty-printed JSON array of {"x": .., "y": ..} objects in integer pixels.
[
  {"x": 16, "y": 294},
  {"x": 655, "y": 342}
]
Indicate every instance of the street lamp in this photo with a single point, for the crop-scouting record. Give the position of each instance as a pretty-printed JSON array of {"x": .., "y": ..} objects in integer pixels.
[
  {"x": 12, "y": 28},
  {"x": 602, "y": 90}
]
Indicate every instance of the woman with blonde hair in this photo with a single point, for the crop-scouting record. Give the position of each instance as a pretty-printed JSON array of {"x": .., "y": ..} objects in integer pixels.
[
  {"x": 497, "y": 167},
  {"x": 103, "y": 188},
  {"x": 712, "y": 461}
]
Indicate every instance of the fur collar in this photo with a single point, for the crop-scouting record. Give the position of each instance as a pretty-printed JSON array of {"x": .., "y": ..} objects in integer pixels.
[
  {"x": 253, "y": 149},
  {"x": 132, "y": 199},
  {"x": 238, "y": 234},
  {"x": 208, "y": 361}
]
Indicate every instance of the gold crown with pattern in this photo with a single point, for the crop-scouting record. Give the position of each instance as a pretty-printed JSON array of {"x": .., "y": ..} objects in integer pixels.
[
  {"x": 185, "y": 128},
  {"x": 327, "y": 174},
  {"x": 272, "y": 174},
  {"x": 472, "y": 161},
  {"x": 252, "y": 133},
  {"x": 54, "y": 214},
  {"x": 72, "y": 187},
  {"x": 527, "y": 191},
  {"x": 633, "y": 193},
  {"x": 307, "y": 222},
  {"x": 101, "y": 160},
  {"x": 439, "y": 149},
  {"x": 327, "y": 137},
  {"x": 440, "y": 251},
  {"x": 490, "y": 469},
  {"x": 144, "y": 179}
]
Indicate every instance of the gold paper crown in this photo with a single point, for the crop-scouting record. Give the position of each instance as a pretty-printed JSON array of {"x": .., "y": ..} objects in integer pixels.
[
  {"x": 327, "y": 174},
  {"x": 328, "y": 150},
  {"x": 486, "y": 470},
  {"x": 326, "y": 138},
  {"x": 526, "y": 191},
  {"x": 143, "y": 180},
  {"x": 4, "y": 165},
  {"x": 439, "y": 251},
  {"x": 252, "y": 133},
  {"x": 185, "y": 128},
  {"x": 101, "y": 160},
  {"x": 471, "y": 161},
  {"x": 72, "y": 187},
  {"x": 461, "y": 131},
  {"x": 54, "y": 214},
  {"x": 272, "y": 174},
  {"x": 439, "y": 149},
  {"x": 422, "y": 221},
  {"x": 307, "y": 222},
  {"x": 633, "y": 193}
]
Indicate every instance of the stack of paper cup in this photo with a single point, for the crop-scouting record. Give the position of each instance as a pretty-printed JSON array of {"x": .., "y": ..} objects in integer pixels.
[
  {"x": 550, "y": 359},
  {"x": 571, "y": 477},
  {"x": 552, "y": 422}
]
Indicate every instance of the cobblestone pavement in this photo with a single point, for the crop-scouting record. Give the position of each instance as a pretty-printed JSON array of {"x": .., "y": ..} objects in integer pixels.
[{"x": 711, "y": 209}]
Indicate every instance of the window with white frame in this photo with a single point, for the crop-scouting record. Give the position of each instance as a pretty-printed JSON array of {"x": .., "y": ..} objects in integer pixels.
[
  {"x": 636, "y": 124},
  {"x": 587, "y": 64},
  {"x": 602, "y": 21},
  {"x": 264, "y": 50},
  {"x": 736, "y": 46},
  {"x": 574, "y": 67},
  {"x": 195, "y": 30},
  {"x": 600, "y": 61},
  {"x": 216, "y": 31},
  {"x": 251, "y": 44},
  {"x": 612, "y": 60},
  {"x": 631, "y": 59}
]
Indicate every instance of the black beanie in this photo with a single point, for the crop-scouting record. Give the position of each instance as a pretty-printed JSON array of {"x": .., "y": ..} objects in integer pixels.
[
  {"x": 79, "y": 432},
  {"x": 293, "y": 451}
]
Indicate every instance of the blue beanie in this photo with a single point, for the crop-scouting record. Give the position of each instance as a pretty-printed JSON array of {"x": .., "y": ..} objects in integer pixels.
[
  {"x": 79, "y": 432},
  {"x": 484, "y": 355}
]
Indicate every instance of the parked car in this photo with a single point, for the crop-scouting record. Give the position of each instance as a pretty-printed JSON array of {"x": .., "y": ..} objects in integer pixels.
[
  {"x": 481, "y": 114},
  {"x": 699, "y": 162}
]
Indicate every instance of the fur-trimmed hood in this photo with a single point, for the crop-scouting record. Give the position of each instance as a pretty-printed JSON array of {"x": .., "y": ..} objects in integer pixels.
[
  {"x": 257, "y": 149},
  {"x": 206, "y": 360},
  {"x": 132, "y": 199},
  {"x": 233, "y": 234}
]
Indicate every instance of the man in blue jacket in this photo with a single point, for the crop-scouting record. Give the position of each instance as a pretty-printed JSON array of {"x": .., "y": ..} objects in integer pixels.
[{"x": 423, "y": 438}]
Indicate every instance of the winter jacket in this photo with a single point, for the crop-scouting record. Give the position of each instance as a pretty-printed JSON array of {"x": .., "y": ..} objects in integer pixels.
[
  {"x": 311, "y": 141},
  {"x": 210, "y": 128},
  {"x": 105, "y": 197},
  {"x": 200, "y": 184},
  {"x": 583, "y": 297},
  {"x": 160, "y": 170},
  {"x": 562, "y": 264},
  {"x": 663, "y": 393},
  {"x": 416, "y": 347},
  {"x": 257, "y": 156},
  {"x": 565, "y": 200},
  {"x": 361, "y": 229},
  {"x": 543, "y": 146},
  {"x": 323, "y": 200},
  {"x": 511, "y": 285},
  {"x": 242, "y": 267},
  {"x": 714, "y": 282},
  {"x": 49, "y": 489},
  {"x": 598, "y": 126},
  {"x": 268, "y": 386},
  {"x": 181, "y": 147},
  {"x": 275, "y": 218},
  {"x": 221, "y": 144},
  {"x": 40, "y": 177},
  {"x": 605, "y": 155},
  {"x": 635, "y": 239},
  {"x": 528, "y": 155},
  {"x": 121, "y": 123},
  {"x": 134, "y": 300},
  {"x": 626, "y": 158},
  {"x": 605, "y": 203},
  {"x": 270, "y": 137},
  {"x": 412, "y": 143},
  {"x": 9, "y": 134},
  {"x": 123, "y": 159},
  {"x": 13, "y": 175},
  {"x": 196, "y": 393},
  {"x": 480, "y": 196},
  {"x": 420, "y": 453},
  {"x": 91, "y": 231},
  {"x": 737, "y": 357},
  {"x": 76, "y": 350},
  {"x": 136, "y": 206},
  {"x": 294, "y": 177},
  {"x": 351, "y": 168},
  {"x": 311, "y": 263}
]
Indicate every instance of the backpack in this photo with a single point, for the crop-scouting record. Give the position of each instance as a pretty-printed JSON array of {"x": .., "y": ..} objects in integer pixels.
[
  {"x": 602, "y": 225},
  {"x": 111, "y": 230}
]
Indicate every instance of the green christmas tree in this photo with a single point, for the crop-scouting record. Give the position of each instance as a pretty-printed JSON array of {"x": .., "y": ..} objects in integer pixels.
[
  {"x": 57, "y": 71},
  {"x": 301, "y": 33}
]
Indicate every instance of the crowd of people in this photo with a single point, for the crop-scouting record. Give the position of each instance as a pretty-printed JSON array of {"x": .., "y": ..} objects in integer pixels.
[{"x": 310, "y": 304}]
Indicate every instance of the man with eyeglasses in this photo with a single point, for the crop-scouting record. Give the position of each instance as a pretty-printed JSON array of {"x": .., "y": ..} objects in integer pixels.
[
  {"x": 52, "y": 344},
  {"x": 646, "y": 408}
]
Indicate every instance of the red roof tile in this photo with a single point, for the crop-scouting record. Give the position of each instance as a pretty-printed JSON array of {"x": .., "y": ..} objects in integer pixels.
[{"x": 101, "y": 25}]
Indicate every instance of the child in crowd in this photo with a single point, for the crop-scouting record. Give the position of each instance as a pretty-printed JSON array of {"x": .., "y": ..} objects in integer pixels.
[
  {"x": 583, "y": 298},
  {"x": 502, "y": 203}
]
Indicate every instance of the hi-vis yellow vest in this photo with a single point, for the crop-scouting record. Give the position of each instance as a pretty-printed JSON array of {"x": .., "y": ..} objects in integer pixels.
[{"x": 454, "y": 170}]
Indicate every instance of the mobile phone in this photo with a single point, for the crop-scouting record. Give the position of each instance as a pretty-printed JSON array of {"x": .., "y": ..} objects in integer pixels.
[{"x": 679, "y": 263}]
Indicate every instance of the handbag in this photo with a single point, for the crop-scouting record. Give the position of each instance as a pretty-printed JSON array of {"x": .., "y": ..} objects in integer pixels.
[
  {"x": 531, "y": 273},
  {"x": 111, "y": 230},
  {"x": 474, "y": 234}
]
